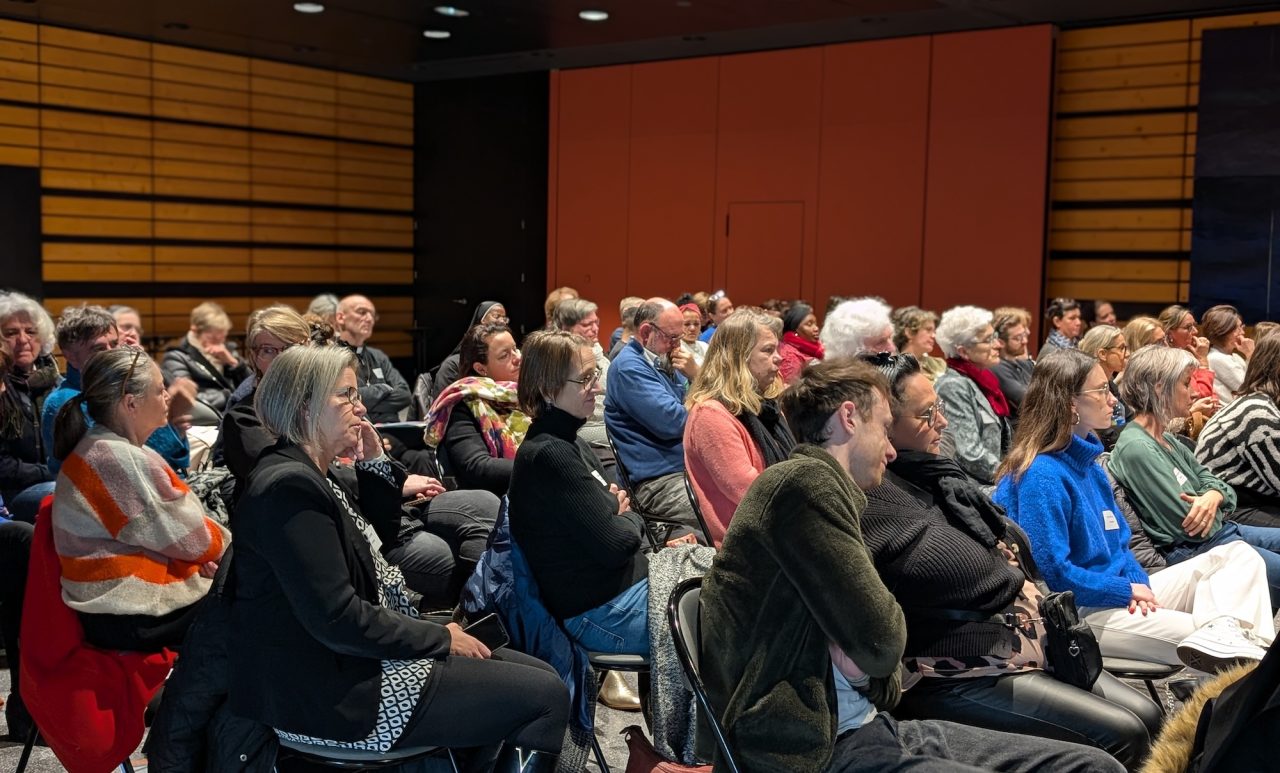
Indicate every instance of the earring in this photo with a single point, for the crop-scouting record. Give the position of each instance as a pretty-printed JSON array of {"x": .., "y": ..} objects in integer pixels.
[{"x": 1076, "y": 421}]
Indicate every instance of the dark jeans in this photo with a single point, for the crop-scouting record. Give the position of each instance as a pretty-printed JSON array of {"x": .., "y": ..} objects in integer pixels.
[
  {"x": 885, "y": 745},
  {"x": 26, "y": 503},
  {"x": 437, "y": 560},
  {"x": 512, "y": 698},
  {"x": 1113, "y": 717},
  {"x": 1257, "y": 516},
  {"x": 1265, "y": 541},
  {"x": 15, "y": 552}
]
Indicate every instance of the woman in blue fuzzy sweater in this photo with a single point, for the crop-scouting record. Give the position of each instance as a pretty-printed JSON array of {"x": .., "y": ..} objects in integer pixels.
[{"x": 1208, "y": 612}]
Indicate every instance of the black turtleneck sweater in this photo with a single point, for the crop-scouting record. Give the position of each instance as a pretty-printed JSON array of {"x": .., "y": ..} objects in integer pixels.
[{"x": 582, "y": 552}]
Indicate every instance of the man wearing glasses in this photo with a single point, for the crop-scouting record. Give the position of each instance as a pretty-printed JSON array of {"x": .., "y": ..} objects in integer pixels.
[
  {"x": 384, "y": 391},
  {"x": 644, "y": 412},
  {"x": 1013, "y": 370}
]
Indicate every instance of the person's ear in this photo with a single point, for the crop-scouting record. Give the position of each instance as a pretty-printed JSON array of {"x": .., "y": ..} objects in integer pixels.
[{"x": 480, "y": 369}]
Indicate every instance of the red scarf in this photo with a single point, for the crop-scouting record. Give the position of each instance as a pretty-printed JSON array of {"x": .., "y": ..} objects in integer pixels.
[
  {"x": 986, "y": 381},
  {"x": 804, "y": 346}
]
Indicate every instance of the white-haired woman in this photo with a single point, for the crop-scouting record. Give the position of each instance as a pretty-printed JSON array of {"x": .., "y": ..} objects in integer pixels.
[
  {"x": 349, "y": 662},
  {"x": 978, "y": 432},
  {"x": 28, "y": 334},
  {"x": 1180, "y": 503},
  {"x": 858, "y": 326}
]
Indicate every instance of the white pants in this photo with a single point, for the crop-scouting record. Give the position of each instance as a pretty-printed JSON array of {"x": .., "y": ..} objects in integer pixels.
[{"x": 1228, "y": 580}]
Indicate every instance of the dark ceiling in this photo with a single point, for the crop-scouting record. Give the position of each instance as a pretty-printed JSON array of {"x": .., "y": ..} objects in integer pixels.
[{"x": 384, "y": 37}]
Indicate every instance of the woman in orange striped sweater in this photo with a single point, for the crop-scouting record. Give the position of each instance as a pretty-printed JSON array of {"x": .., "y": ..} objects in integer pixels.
[{"x": 136, "y": 547}]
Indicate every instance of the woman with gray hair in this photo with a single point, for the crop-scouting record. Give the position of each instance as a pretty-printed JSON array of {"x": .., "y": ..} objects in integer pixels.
[
  {"x": 858, "y": 326},
  {"x": 349, "y": 662},
  {"x": 915, "y": 333},
  {"x": 28, "y": 333},
  {"x": 978, "y": 431},
  {"x": 1180, "y": 503}
]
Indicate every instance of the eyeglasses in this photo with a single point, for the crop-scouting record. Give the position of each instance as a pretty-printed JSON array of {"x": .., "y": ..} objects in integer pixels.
[
  {"x": 1119, "y": 348},
  {"x": 352, "y": 396},
  {"x": 1100, "y": 391},
  {"x": 269, "y": 351},
  {"x": 1019, "y": 337},
  {"x": 124, "y": 385},
  {"x": 587, "y": 381},
  {"x": 671, "y": 339},
  {"x": 498, "y": 320},
  {"x": 931, "y": 414}
]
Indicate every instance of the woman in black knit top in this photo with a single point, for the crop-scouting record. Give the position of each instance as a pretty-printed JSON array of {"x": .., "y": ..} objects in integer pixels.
[
  {"x": 941, "y": 545},
  {"x": 575, "y": 529}
]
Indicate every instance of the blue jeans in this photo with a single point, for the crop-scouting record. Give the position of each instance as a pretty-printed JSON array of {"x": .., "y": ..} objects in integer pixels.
[
  {"x": 27, "y": 502},
  {"x": 1262, "y": 539},
  {"x": 620, "y": 626}
]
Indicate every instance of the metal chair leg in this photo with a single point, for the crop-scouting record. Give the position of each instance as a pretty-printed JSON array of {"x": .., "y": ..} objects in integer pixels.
[
  {"x": 32, "y": 735},
  {"x": 127, "y": 765},
  {"x": 595, "y": 747},
  {"x": 1155, "y": 695}
]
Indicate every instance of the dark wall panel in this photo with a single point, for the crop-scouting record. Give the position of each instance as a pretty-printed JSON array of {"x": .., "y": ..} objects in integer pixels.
[
  {"x": 20, "y": 230},
  {"x": 480, "y": 193}
]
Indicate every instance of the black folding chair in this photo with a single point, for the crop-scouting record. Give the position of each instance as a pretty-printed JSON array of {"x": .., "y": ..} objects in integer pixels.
[
  {"x": 657, "y": 526},
  {"x": 697, "y": 508},
  {"x": 686, "y": 632}
]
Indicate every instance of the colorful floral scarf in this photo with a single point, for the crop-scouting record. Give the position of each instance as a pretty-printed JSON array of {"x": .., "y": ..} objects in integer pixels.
[{"x": 492, "y": 403}]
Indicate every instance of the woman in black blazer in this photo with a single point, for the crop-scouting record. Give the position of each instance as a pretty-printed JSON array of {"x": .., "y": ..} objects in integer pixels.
[{"x": 329, "y": 648}]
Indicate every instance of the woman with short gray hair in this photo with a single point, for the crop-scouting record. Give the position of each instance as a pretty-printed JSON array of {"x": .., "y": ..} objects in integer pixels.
[
  {"x": 308, "y": 560},
  {"x": 26, "y": 330},
  {"x": 977, "y": 410},
  {"x": 1180, "y": 503}
]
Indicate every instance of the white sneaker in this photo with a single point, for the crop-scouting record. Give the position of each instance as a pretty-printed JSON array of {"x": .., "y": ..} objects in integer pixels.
[{"x": 1218, "y": 645}]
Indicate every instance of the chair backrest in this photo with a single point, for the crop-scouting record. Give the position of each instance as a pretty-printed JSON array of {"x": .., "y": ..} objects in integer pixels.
[
  {"x": 1139, "y": 542},
  {"x": 697, "y": 508},
  {"x": 683, "y": 615}
]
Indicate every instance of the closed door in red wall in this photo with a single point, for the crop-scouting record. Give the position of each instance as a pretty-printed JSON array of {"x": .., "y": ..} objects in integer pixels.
[{"x": 765, "y": 241}]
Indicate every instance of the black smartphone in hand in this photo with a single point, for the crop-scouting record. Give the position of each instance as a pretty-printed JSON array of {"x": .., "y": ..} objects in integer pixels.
[{"x": 490, "y": 631}]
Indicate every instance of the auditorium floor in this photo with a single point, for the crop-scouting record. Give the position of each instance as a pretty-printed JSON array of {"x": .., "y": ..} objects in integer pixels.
[{"x": 609, "y": 728}]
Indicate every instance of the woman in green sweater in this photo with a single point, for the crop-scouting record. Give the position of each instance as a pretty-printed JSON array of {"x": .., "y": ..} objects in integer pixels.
[{"x": 1180, "y": 503}]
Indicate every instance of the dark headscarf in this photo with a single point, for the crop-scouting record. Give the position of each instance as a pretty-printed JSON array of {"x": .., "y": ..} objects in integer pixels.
[
  {"x": 795, "y": 315},
  {"x": 481, "y": 310}
]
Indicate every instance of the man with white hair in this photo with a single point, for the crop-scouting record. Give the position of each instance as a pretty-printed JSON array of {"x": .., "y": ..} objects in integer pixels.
[{"x": 858, "y": 326}]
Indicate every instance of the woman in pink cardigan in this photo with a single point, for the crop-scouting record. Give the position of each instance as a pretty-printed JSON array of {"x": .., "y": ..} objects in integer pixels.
[{"x": 735, "y": 429}]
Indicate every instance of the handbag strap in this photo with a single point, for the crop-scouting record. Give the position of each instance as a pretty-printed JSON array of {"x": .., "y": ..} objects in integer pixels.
[{"x": 1007, "y": 619}]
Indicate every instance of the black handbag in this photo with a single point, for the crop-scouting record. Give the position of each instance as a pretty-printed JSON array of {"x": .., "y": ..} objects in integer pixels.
[{"x": 1070, "y": 646}]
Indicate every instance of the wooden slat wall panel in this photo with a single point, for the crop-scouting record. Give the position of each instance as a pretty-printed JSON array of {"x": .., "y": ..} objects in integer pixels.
[
  {"x": 165, "y": 164},
  {"x": 1123, "y": 160}
]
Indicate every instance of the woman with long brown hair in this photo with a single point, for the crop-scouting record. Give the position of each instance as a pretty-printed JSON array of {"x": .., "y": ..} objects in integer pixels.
[
  {"x": 1213, "y": 610},
  {"x": 1229, "y": 350}
]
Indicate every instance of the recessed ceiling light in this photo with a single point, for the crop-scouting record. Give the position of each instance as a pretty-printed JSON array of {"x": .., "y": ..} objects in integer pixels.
[
  {"x": 591, "y": 15},
  {"x": 437, "y": 34},
  {"x": 308, "y": 7},
  {"x": 450, "y": 10}
]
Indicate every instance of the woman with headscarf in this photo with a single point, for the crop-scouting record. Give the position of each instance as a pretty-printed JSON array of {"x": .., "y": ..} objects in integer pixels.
[
  {"x": 689, "y": 340},
  {"x": 486, "y": 313},
  {"x": 800, "y": 345},
  {"x": 735, "y": 430}
]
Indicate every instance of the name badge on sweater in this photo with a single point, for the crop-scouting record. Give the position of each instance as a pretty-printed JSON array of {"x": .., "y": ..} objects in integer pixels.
[
  {"x": 1109, "y": 521},
  {"x": 377, "y": 372},
  {"x": 596, "y": 474},
  {"x": 1178, "y": 476}
]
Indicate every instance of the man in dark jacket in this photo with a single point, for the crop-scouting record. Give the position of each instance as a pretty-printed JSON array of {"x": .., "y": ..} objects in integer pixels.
[
  {"x": 793, "y": 583},
  {"x": 382, "y": 389}
]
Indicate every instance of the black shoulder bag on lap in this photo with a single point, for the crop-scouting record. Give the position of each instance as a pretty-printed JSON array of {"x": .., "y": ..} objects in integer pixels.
[{"x": 1070, "y": 646}]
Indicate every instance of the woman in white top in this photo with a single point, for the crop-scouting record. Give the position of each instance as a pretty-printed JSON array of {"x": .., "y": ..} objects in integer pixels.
[{"x": 1229, "y": 350}]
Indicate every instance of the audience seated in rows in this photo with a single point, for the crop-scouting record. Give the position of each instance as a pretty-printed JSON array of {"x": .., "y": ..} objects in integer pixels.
[
  {"x": 794, "y": 585},
  {"x": 645, "y": 414},
  {"x": 978, "y": 432},
  {"x": 346, "y": 633},
  {"x": 915, "y": 333},
  {"x": 691, "y": 341},
  {"x": 576, "y": 530},
  {"x": 1240, "y": 445},
  {"x": 1012, "y": 326},
  {"x": 735, "y": 429},
  {"x": 29, "y": 375},
  {"x": 1208, "y": 611},
  {"x": 447, "y": 372},
  {"x": 83, "y": 331},
  {"x": 627, "y": 309},
  {"x": 384, "y": 391},
  {"x": 941, "y": 545},
  {"x": 1180, "y": 503},
  {"x": 1229, "y": 350},
  {"x": 1107, "y": 345},
  {"x": 475, "y": 424},
  {"x": 1065, "y": 325},
  {"x": 205, "y": 357},
  {"x": 137, "y": 550},
  {"x": 800, "y": 344},
  {"x": 857, "y": 326},
  {"x": 717, "y": 308}
]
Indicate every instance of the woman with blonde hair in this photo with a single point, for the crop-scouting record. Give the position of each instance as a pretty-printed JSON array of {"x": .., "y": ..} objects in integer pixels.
[
  {"x": 204, "y": 357},
  {"x": 735, "y": 430},
  {"x": 1143, "y": 331},
  {"x": 1181, "y": 332},
  {"x": 915, "y": 333},
  {"x": 1107, "y": 345}
]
